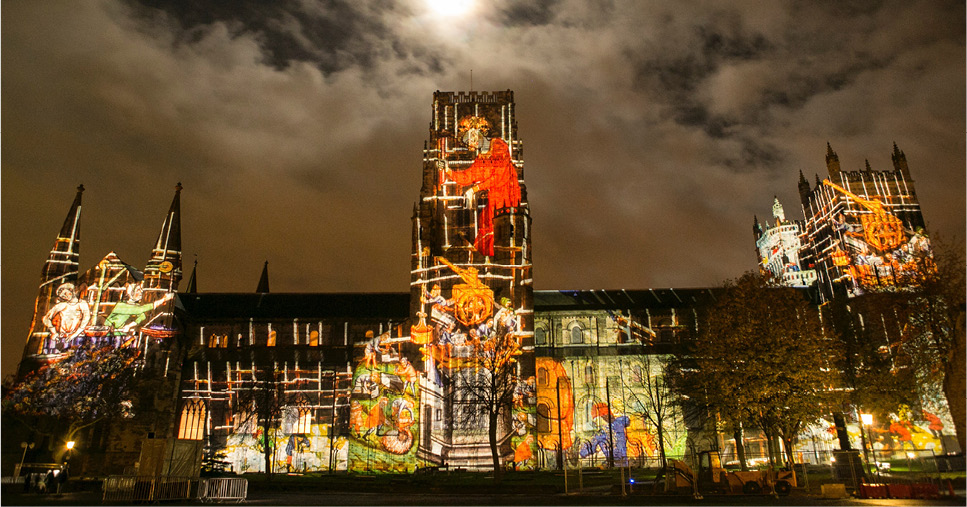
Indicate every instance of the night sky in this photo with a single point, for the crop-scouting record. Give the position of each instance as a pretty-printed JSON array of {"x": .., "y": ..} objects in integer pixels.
[{"x": 653, "y": 130}]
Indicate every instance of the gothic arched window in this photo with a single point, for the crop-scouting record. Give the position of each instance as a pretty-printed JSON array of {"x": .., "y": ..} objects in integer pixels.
[{"x": 193, "y": 417}]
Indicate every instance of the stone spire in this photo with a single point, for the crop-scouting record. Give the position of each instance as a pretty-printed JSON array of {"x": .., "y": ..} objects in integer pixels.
[
  {"x": 61, "y": 268},
  {"x": 192, "y": 283},
  {"x": 163, "y": 271},
  {"x": 62, "y": 263},
  {"x": 263, "y": 287}
]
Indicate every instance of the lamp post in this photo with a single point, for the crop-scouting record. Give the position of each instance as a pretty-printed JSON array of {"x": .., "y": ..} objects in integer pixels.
[
  {"x": 24, "y": 446},
  {"x": 867, "y": 420}
]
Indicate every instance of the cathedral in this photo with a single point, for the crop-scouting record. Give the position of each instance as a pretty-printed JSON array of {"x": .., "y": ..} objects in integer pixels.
[{"x": 469, "y": 367}]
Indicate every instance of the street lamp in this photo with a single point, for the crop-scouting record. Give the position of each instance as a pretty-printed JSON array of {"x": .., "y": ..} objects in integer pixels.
[
  {"x": 867, "y": 420},
  {"x": 70, "y": 449},
  {"x": 24, "y": 446}
]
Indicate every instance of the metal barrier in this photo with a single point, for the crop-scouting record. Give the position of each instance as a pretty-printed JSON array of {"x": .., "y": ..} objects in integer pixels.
[
  {"x": 133, "y": 488},
  {"x": 222, "y": 489}
]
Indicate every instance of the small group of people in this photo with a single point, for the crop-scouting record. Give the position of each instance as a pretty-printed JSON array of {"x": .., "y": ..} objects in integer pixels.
[{"x": 51, "y": 482}]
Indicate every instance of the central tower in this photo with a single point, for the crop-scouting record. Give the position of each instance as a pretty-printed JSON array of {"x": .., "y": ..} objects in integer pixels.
[{"x": 471, "y": 282}]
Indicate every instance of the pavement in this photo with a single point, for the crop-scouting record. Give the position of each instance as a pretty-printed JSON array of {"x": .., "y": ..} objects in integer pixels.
[{"x": 330, "y": 498}]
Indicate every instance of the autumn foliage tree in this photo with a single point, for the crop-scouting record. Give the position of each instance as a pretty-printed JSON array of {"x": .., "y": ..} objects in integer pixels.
[
  {"x": 76, "y": 392},
  {"x": 932, "y": 338},
  {"x": 761, "y": 361}
]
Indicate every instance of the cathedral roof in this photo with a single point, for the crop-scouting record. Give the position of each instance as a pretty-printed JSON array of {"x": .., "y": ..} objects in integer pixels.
[
  {"x": 217, "y": 306},
  {"x": 619, "y": 299}
]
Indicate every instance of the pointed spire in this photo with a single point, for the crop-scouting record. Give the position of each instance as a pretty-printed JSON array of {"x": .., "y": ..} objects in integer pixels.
[
  {"x": 900, "y": 162},
  {"x": 832, "y": 162},
  {"x": 756, "y": 228},
  {"x": 60, "y": 269},
  {"x": 868, "y": 168},
  {"x": 163, "y": 271},
  {"x": 804, "y": 190},
  {"x": 192, "y": 283},
  {"x": 263, "y": 287},
  {"x": 62, "y": 263}
]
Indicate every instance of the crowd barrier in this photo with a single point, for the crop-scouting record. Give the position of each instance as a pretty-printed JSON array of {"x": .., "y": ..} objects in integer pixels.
[
  {"x": 222, "y": 489},
  {"x": 128, "y": 489}
]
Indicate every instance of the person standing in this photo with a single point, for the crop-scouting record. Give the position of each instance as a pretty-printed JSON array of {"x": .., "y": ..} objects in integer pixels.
[
  {"x": 48, "y": 481},
  {"x": 62, "y": 478}
]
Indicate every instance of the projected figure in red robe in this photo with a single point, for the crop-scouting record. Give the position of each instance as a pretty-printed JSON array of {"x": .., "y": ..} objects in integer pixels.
[{"x": 492, "y": 171}]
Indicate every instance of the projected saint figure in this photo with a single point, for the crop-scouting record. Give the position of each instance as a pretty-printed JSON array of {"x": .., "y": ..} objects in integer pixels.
[
  {"x": 492, "y": 171},
  {"x": 66, "y": 319},
  {"x": 130, "y": 313}
]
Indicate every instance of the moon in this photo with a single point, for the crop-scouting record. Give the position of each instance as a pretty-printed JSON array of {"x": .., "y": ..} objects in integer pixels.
[{"x": 450, "y": 8}]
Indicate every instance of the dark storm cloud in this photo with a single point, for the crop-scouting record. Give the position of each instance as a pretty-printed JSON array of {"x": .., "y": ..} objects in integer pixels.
[
  {"x": 653, "y": 131},
  {"x": 527, "y": 12}
]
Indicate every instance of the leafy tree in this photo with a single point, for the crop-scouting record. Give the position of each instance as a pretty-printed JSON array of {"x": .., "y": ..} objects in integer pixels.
[
  {"x": 762, "y": 360},
  {"x": 932, "y": 334}
]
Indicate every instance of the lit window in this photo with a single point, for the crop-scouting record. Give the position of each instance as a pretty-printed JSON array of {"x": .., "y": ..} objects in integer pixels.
[
  {"x": 193, "y": 420},
  {"x": 304, "y": 424}
]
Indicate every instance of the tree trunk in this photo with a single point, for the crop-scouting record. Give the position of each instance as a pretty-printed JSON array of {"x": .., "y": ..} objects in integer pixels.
[
  {"x": 661, "y": 444},
  {"x": 771, "y": 448},
  {"x": 790, "y": 456},
  {"x": 267, "y": 452},
  {"x": 740, "y": 449},
  {"x": 493, "y": 446},
  {"x": 955, "y": 384},
  {"x": 840, "y": 421}
]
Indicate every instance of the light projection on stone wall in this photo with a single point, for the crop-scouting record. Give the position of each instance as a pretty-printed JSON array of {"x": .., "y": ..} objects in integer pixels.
[
  {"x": 491, "y": 171},
  {"x": 590, "y": 407},
  {"x": 106, "y": 307},
  {"x": 384, "y": 406},
  {"x": 872, "y": 246},
  {"x": 471, "y": 297}
]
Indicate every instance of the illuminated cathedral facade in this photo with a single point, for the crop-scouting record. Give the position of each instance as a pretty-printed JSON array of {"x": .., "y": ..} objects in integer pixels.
[
  {"x": 383, "y": 382},
  {"x": 862, "y": 232}
]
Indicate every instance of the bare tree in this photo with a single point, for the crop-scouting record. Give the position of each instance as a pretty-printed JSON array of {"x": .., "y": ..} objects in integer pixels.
[
  {"x": 261, "y": 402},
  {"x": 657, "y": 398},
  {"x": 487, "y": 388}
]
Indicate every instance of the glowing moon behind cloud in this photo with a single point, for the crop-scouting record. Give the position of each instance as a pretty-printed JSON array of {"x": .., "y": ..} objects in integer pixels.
[{"x": 450, "y": 8}]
